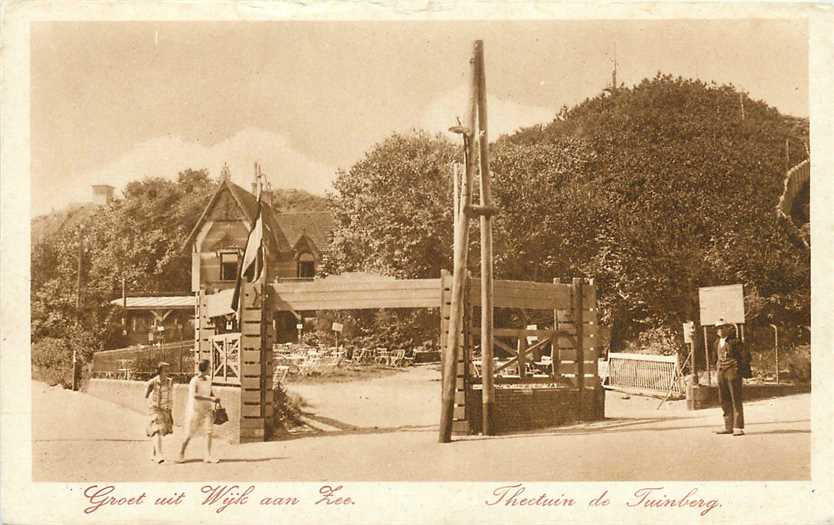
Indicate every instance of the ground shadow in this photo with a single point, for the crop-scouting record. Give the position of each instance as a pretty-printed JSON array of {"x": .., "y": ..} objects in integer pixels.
[
  {"x": 786, "y": 431},
  {"x": 92, "y": 439},
  {"x": 250, "y": 460},
  {"x": 629, "y": 426},
  {"x": 346, "y": 429}
]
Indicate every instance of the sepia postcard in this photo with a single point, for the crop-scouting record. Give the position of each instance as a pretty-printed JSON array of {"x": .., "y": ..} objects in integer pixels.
[{"x": 417, "y": 262}]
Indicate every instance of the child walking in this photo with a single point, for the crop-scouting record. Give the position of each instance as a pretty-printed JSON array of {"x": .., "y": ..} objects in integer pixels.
[{"x": 161, "y": 422}]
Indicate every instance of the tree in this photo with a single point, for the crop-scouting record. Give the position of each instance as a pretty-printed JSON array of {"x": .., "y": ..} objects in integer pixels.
[
  {"x": 653, "y": 190},
  {"x": 138, "y": 237},
  {"x": 393, "y": 209},
  {"x": 685, "y": 186}
]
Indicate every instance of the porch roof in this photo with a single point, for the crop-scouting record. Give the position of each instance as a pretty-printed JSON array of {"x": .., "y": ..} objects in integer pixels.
[{"x": 170, "y": 302}]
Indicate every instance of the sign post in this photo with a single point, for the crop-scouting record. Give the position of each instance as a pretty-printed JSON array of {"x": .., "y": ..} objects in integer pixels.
[
  {"x": 719, "y": 305},
  {"x": 689, "y": 341},
  {"x": 299, "y": 327},
  {"x": 337, "y": 329}
]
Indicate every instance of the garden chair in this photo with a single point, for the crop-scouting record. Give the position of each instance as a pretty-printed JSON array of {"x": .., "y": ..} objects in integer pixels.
[
  {"x": 398, "y": 358},
  {"x": 280, "y": 374},
  {"x": 382, "y": 356},
  {"x": 310, "y": 366}
]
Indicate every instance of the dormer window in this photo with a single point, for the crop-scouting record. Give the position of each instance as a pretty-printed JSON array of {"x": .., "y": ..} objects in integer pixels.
[
  {"x": 306, "y": 266},
  {"x": 229, "y": 261}
]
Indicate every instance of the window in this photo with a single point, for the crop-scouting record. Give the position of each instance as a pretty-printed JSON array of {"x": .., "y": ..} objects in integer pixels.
[
  {"x": 228, "y": 265},
  {"x": 306, "y": 266}
]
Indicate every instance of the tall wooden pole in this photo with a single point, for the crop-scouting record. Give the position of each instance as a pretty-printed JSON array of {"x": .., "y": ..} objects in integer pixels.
[
  {"x": 77, "y": 309},
  {"x": 488, "y": 397},
  {"x": 461, "y": 243},
  {"x": 124, "y": 307}
]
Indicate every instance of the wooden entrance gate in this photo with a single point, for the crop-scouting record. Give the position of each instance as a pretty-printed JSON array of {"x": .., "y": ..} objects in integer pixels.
[
  {"x": 225, "y": 358},
  {"x": 246, "y": 358}
]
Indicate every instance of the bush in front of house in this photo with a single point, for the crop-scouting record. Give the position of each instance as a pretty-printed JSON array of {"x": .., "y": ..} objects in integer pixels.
[
  {"x": 52, "y": 361},
  {"x": 286, "y": 408}
]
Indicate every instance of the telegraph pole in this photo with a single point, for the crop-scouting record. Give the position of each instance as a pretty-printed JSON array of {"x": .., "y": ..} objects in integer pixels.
[
  {"x": 77, "y": 308},
  {"x": 461, "y": 243},
  {"x": 488, "y": 396}
]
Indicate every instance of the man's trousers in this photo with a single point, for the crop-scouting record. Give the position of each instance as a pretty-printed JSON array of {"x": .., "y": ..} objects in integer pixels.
[{"x": 730, "y": 397}]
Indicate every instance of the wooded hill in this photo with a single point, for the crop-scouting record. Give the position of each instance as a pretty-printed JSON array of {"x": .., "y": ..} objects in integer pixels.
[{"x": 652, "y": 190}]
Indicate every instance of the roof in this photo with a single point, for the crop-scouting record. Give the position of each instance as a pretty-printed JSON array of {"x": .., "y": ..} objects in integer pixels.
[
  {"x": 286, "y": 229},
  {"x": 153, "y": 303},
  {"x": 316, "y": 225},
  {"x": 248, "y": 204}
]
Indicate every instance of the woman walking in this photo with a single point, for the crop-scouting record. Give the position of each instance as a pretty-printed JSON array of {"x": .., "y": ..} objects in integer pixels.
[
  {"x": 161, "y": 423},
  {"x": 200, "y": 410}
]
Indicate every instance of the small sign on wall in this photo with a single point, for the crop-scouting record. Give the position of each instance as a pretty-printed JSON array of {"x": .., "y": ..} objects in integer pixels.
[
  {"x": 688, "y": 331},
  {"x": 337, "y": 327}
]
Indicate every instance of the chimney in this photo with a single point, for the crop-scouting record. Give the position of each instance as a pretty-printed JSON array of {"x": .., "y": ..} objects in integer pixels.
[
  {"x": 102, "y": 194},
  {"x": 267, "y": 193}
]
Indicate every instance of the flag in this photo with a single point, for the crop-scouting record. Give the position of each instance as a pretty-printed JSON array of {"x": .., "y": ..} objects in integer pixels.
[{"x": 252, "y": 263}]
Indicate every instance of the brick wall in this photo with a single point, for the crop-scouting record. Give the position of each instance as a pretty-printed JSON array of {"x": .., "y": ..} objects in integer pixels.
[{"x": 519, "y": 409}]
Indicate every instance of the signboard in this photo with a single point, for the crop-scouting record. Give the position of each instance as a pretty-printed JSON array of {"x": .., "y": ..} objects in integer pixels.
[
  {"x": 299, "y": 326},
  {"x": 721, "y": 302},
  {"x": 688, "y": 331},
  {"x": 337, "y": 327}
]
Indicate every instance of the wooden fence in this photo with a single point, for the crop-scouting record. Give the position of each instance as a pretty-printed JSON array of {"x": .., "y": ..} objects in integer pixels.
[{"x": 139, "y": 362}]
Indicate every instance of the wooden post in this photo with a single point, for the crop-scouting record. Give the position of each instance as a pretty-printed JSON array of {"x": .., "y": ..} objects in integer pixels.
[
  {"x": 461, "y": 243},
  {"x": 521, "y": 346},
  {"x": 456, "y": 205},
  {"x": 554, "y": 343},
  {"x": 77, "y": 309},
  {"x": 578, "y": 305},
  {"x": 487, "y": 289},
  {"x": 706, "y": 358}
]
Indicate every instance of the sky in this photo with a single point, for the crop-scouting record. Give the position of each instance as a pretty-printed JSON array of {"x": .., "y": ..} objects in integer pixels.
[{"x": 117, "y": 101}]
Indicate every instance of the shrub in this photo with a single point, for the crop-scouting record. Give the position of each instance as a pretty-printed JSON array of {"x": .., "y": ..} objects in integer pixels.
[
  {"x": 52, "y": 361},
  {"x": 799, "y": 364},
  {"x": 660, "y": 340},
  {"x": 287, "y": 408}
]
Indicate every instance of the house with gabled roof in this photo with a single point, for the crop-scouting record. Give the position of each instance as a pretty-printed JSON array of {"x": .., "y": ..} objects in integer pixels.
[
  {"x": 293, "y": 241},
  {"x": 293, "y": 244}
]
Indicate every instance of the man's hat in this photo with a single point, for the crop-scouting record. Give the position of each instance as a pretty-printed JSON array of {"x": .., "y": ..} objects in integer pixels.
[
  {"x": 162, "y": 363},
  {"x": 722, "y": 323}
]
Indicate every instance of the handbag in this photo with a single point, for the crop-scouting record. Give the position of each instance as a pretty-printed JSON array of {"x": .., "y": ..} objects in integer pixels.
[{"x": 220, "y": 415}]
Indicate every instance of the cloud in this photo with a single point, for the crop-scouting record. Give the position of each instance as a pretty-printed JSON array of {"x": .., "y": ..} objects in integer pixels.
[
  {"x": 504, "y": 116},
  {"x": 166, "y": 156}
]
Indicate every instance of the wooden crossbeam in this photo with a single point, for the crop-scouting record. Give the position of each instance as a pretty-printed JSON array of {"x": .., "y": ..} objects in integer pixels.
[{"x": 522, "y": 353}]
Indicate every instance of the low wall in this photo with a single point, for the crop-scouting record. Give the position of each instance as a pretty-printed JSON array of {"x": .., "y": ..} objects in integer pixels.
[
  {"x": 131, "y": 395},
  {"x": 750, "y": 392},
  {"x": 519, "y": 409}
]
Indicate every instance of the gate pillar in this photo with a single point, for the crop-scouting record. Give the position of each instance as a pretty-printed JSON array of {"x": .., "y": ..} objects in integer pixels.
[{"x": 256, "y": 406}]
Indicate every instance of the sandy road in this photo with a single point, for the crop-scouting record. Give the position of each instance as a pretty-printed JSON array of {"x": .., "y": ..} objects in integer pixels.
[{"x": 386, "y": 429}]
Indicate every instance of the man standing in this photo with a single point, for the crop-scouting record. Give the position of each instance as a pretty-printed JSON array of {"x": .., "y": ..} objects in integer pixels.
[{"x": 730, "y": 362}]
